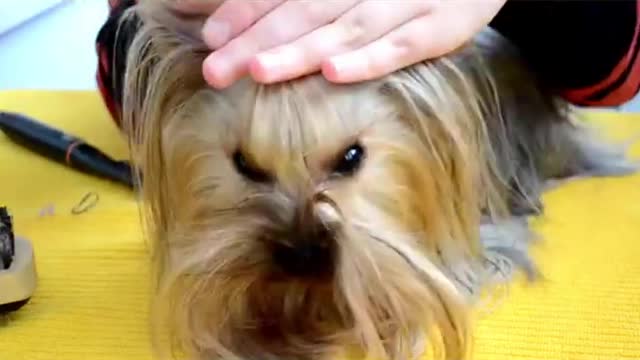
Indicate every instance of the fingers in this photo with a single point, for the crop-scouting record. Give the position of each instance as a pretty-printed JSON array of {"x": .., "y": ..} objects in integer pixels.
[
  {"x": 232, "y": 18},
  {"x": 365, "y": 22},
  {"x": 426, "y": 37},
  {"x": 231, "y": 61},
  {"x": 348, "y": 40},
  {"x": 410, "y": 43}
]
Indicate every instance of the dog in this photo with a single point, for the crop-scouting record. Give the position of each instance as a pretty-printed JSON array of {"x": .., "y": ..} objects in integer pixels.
[{"x": 297, "y": 220}]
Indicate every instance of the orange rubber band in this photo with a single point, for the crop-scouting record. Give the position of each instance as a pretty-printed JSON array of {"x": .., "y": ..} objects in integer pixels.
[{"x": 67, "y": 156}]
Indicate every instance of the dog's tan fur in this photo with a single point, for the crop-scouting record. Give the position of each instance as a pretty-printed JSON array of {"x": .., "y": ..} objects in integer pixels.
[{"x": 453, "y": 147}]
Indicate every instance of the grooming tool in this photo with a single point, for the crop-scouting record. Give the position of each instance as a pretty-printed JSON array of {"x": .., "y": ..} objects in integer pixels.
[
  {"x": 7, "y": 240},
  {"x": 18, "y": 276},
  {"x": 63, "y": 148}
]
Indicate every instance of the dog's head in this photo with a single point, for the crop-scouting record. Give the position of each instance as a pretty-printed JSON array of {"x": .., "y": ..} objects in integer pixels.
[{"x": 291, "y": 219}]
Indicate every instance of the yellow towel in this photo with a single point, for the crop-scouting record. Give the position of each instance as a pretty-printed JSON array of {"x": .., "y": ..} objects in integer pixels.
[{"x": 91, "y": 301}]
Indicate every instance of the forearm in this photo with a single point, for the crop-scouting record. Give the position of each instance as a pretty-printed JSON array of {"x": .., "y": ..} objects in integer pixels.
[{"x": 587, "y": 51}]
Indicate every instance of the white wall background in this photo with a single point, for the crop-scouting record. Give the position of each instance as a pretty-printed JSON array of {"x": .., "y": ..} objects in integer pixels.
[{"x": 49, "y": 44}]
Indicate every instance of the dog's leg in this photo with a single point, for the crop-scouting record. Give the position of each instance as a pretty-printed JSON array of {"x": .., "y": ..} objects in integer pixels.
[
  {"x": 554, "y": 149},
  {"x": 534, "y": 133},
  {"x": 524, "y": 197},
  {"x": 560, "y": 152},
  {"x": 573, "y": 150}
]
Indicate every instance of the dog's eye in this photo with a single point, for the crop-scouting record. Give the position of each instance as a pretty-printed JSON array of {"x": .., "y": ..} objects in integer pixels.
[
  {"x": 247, "y": 170},
  {"x": 350, "y": 160}
]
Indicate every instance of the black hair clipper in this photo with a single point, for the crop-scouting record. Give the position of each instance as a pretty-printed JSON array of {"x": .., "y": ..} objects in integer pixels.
[{"x": 17, "y": 267}]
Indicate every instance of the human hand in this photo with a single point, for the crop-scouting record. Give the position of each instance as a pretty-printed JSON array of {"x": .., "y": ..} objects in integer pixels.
[{"x": 347, "y": 40}]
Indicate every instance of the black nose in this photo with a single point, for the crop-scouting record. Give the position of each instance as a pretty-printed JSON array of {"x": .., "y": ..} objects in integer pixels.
[{"x": 305, "y": 260}]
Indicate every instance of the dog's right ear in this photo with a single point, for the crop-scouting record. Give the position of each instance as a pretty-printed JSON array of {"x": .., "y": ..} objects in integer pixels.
[
  {"x": 165, "y": 53},
  {"x": 162, "y": 72}
]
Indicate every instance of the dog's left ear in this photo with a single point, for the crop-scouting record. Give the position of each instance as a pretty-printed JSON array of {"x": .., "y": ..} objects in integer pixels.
[{"x": 444, "y": 103}]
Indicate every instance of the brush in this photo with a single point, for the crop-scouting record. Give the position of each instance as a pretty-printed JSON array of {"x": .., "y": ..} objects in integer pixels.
[{"x": 18, "y": 276}]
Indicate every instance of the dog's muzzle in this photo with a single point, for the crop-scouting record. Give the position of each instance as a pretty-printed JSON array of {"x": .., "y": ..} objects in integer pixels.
[
  {"x": 305, "y": 259},
  {"x": 303, "y": 244}
]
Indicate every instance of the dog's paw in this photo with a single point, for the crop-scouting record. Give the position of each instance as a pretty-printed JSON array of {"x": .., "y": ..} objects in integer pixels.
[
  {"x": 589, "y": 155},
  {"x": 602, "y": 159},
  {"x": 506, "y": 249}
]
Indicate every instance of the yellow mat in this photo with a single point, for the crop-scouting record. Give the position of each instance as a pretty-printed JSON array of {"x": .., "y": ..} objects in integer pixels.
[{"x": 91, "y": 302}]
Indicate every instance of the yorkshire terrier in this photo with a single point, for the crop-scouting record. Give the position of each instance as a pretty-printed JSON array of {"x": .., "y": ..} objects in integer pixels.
[{"x": 296, "y": 220}]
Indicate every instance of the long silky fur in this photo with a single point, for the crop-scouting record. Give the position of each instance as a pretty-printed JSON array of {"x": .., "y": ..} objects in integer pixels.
[{"x": 475, "y": 136}]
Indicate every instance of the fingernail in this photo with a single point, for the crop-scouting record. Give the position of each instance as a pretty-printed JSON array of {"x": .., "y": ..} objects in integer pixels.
[
  {"x": 280, "y": 64},
  {"x": 216, "y": 72},
  {"x": 215, "y": 33},
  {"x": 345, "y": 64},
  {"x": 269, "y": 62},
  {"x": 266, "y": 67}
]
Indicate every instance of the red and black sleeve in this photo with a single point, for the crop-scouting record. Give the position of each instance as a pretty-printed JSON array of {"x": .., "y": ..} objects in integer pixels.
[
  {"x": 585, "y": 50},
  {"x": 112, "y": 43}
]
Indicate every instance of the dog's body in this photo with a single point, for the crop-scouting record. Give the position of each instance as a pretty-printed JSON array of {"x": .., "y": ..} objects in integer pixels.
[{"x": 291, "y": 220}]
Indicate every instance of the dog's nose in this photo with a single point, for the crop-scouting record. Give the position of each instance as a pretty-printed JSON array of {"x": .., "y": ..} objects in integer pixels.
[{"x": 305, "y": 259}]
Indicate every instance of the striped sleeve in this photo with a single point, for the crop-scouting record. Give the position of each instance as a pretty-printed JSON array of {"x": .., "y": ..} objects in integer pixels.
[
  {"x": 586, "y": 50},
  {"x": 112, "y": 42}
]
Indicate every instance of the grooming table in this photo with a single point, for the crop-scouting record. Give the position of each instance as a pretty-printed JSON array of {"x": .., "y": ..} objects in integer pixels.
[{"x": 92, "y": 296}]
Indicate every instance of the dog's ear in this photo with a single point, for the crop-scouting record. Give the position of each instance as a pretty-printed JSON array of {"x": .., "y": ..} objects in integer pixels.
[
  {"x": 445, "y": 105},
  {"x": 163, "y": 61},
  {"x": 163, "y": 71},
  {"x": 479, "y": 107}
]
